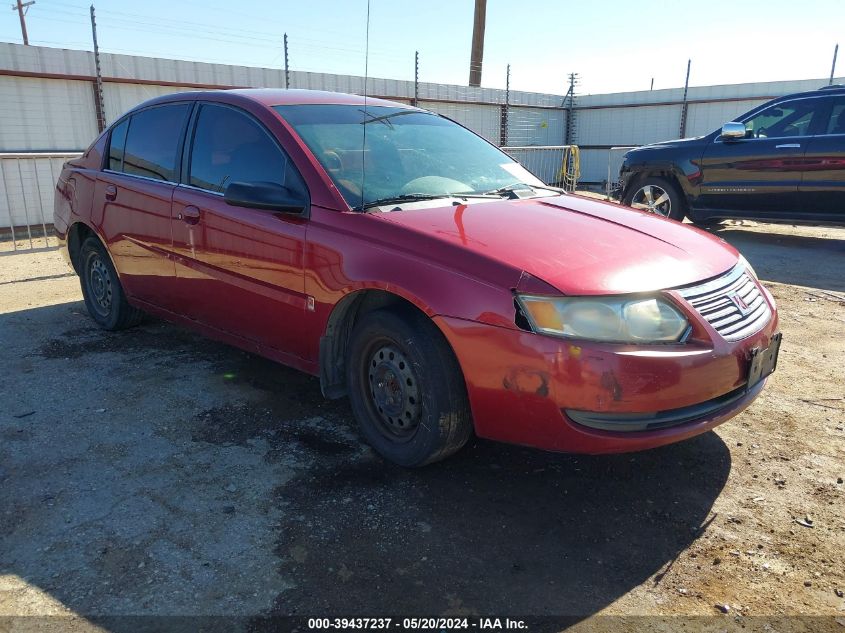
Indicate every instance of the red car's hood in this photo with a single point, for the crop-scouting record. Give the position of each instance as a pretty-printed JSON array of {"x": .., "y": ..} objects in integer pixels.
[{"x": 576, "y": 244}]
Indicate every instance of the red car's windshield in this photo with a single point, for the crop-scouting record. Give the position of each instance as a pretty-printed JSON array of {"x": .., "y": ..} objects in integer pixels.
[{"x": 388, "y": 152}]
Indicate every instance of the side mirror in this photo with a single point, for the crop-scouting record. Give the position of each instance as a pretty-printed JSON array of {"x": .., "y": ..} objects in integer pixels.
[
  {"x": 268, "y": 196},
  {"x": 733, "y": 130}
]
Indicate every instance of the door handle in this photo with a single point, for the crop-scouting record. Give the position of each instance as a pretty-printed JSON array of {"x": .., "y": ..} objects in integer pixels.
[
  {"x": 111, "y": 192},
  {"x": 190, "y": 215},
  {"x": 788, "y": 145}
]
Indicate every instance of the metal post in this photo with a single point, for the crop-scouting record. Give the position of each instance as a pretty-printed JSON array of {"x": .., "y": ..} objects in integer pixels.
[
  {"x": 833, "y": 67},
  {"x": 3, "y": 164},
  {"x": 98, "y": 87},
  {"x": 40, "y": 200},
  {"x": 25, "y": 209},
  {"x": 503, "y": 131},
  {"x": 569, "y": 100},
  {"x": 684, "y": 105},
  {"x": 652, "y": 84},
  {"x": 287, "y": 69},
  {"x": 416, "y": 79}
]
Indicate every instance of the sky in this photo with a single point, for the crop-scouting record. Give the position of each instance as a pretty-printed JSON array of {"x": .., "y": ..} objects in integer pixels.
[{"x": 614, "y": 45}]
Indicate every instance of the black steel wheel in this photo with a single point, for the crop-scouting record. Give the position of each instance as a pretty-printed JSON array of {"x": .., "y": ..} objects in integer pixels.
[
  {"x": 406, "y": 388},
  {"x": 101, "y": 289}
]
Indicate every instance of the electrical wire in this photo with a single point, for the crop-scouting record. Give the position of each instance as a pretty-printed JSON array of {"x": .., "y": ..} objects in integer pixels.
[{"x": 570, "y": 168}]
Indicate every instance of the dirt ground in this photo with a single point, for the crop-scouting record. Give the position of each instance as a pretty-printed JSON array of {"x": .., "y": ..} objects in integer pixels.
[{"x": 155, "y": 472}]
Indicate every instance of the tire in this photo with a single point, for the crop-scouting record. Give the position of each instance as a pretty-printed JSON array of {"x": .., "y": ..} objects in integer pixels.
[
  {"x": 708, "y": 224},
  {"x": 104, "y": 296},
  {"x": 645, "y": 194},
  {"x": 406, "y": 388}
]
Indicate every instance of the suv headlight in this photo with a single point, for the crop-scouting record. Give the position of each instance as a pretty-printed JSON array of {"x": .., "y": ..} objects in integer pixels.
[{"x": 606, "y": 319}]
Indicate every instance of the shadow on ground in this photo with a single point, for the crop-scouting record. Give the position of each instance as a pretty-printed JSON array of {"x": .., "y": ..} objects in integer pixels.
[
  {"x": 802, "y": 260},
  {"x": 132, "y": 512}
]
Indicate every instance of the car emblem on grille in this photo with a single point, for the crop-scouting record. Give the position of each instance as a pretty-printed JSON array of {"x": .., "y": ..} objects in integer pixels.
[{"x": 739, "y": 303}]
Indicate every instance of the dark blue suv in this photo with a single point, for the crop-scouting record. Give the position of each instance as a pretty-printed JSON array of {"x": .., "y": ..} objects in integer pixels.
[{"x": 782, "y": 161}]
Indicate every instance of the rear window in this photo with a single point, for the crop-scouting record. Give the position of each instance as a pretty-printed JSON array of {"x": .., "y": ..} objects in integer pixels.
[{"x": 153, "y": 140}]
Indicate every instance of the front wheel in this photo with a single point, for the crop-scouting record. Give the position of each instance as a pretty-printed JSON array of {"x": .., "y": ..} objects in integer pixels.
[
  {"x": 658, "y": 196},
  {"x": 406, "y": 388}
]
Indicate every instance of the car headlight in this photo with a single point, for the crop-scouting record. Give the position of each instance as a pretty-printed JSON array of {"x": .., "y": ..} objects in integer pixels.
[
  {"x": 607, "y": 319},
  {"x": 747, "y": 266}
]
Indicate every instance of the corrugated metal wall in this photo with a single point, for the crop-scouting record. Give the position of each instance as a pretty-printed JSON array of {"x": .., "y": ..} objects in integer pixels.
[
  {"x": 45, "y": 114},
  {"x": 130, "y": 80}
]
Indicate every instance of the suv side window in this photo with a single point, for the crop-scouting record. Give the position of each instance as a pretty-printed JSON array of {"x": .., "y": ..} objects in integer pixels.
[
  {"x": 229, "y": 146},
  {"x": 153, "y": 140},
  {"x": 117, "y": 142},
  {"x": 792, "y": 118},
  {"x": 836, "y": 124}
]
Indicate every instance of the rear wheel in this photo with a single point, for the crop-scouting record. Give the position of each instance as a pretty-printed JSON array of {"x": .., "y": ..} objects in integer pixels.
[
  {"x": 101, "y": 289},
  {"x": 658, "y": 196},
  {"x": 406, "y": 388}
]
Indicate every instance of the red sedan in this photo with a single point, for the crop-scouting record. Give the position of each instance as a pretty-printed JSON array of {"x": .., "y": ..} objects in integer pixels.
[{"x": 417, "y": 269}]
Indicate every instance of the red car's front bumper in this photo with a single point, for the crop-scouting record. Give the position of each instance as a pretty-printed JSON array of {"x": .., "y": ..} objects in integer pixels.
[{"x": 521, "y": 385}]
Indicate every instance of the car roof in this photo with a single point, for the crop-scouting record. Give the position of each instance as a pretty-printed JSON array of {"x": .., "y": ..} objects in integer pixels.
[
  {"x": 824, "y": 91},
  {"x": 275, "y": 97}
]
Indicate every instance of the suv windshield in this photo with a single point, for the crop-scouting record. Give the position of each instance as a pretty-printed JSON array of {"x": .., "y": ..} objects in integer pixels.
[{"x": 391, "y": 153}]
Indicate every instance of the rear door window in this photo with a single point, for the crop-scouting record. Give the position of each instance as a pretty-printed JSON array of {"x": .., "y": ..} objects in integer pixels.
[
  {"x": 153, "y": 140},
  {"x": 230, "y": 146},
  {"x": 836, "y": 123}
]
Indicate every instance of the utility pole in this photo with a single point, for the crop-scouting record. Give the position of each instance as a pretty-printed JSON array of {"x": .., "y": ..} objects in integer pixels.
[
  {"x": 477, "y": 54},
  {"x": 833, "y": 67},
  {"x": 22, "y": 8},
  {"x": 287, "y": 70},
  {"x": 98, "y": 85}
]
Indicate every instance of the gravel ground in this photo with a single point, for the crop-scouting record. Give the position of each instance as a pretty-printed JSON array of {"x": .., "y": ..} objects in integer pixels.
[{"x": 155, "y": 472}]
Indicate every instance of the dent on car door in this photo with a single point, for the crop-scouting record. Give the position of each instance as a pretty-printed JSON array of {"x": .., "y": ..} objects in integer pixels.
[
  {"x": 759, "y": 175},
  {"x": 132, "y": 199},
  {"x": 240, "y": 270},
  {"x": 822, "y": 190}
]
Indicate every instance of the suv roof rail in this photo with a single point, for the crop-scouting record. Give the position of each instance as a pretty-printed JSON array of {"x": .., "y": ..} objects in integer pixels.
[{"x": 833, "y": 87}]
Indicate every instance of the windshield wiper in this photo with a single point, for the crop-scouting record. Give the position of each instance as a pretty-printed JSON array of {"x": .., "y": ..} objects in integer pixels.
[
  {"x": 405, "y": 197},
  {"x": 384, "y": 118},
  {"x": 413, "y": 197},
  {"x": 518, "y": 186}
]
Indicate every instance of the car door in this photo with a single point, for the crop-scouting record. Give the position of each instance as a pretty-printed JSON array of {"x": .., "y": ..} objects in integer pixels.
[
  {"x": 759, "y": 175},
  {"x": 239, "y": 270},
  {"x": 822, "y": 190},
  {"x": 132, "y": 200}
]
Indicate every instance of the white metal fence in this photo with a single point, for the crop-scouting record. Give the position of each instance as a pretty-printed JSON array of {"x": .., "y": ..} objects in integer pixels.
[
  {"x": 614, "y": 163},
  {"x": 553, "y": 164},
  {"x": 27, "y": 184}
]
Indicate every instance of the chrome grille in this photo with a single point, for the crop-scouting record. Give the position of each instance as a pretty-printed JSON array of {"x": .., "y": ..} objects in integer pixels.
[{"x": 719, "y": 301}]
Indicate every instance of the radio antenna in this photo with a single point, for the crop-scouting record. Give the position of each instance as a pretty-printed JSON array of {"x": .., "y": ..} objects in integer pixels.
[{"x": 366, "y": 75}]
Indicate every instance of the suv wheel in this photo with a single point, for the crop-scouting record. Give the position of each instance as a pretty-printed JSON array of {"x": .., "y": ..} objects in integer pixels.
[
  {"x": 657, "y": 195},
  {"x": 406, "y": 388},
  {"x": 102, "y": 291}
]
